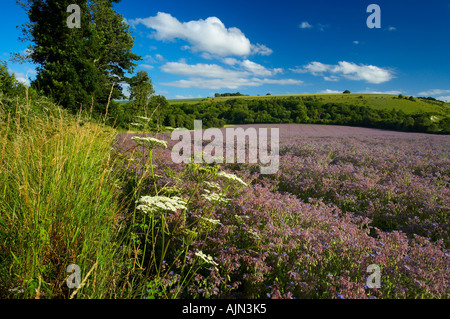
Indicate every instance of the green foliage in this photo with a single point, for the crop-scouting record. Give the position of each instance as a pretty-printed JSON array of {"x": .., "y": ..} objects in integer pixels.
[
  {"x": 229, "y": 94},
  {"x": 141, "y": 89},
  {"x": 305, "y": 109},
  {"x": 57, "y": 204},
  {"x": 79, "y": 67},
  {"x": 8, "y": 83}
]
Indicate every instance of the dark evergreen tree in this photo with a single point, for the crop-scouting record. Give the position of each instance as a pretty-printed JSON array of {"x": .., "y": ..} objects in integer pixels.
[{"x": 79, "y": 67}]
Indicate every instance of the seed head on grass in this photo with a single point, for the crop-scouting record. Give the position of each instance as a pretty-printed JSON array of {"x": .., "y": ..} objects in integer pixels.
[{"x": 150, "y": 142}]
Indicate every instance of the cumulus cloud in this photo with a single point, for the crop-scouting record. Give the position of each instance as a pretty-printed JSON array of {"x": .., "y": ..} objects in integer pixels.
[
  {"x": 209, "y": 35},
  {"x": 305, "y": 25},
  {"x": 230, "y": 61},
  {"x": 328, "y": 91},
  {"x": 212, "y": 76},
  {"x": 22, "y": 77},
  {"x": 201, "y": 70},
  {"x": 443, "y": 98},
  {"x": 229, "y": 83},
  {"x": 393, "y": 92},
  {"x": 261, "y": 49},
  {"x": 256, "y": 68},
  {"x": 146, "y": 66},
  {"x": 348, "y": 70},
  {"x": 434, "y": 92}
]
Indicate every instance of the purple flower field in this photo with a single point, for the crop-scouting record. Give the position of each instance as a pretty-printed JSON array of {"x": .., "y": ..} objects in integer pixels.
[{"x": 343, "y": 198}]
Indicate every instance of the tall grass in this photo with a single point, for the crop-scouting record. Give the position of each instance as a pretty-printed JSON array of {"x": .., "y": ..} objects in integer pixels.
[{"x": 58, "y": 203}]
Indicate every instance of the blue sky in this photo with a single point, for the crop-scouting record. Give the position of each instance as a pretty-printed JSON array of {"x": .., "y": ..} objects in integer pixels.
[{"x": 197, "y": 48}]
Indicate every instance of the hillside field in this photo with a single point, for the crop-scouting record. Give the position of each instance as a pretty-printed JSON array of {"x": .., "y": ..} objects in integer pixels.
[{"x": 375, "y": 101}]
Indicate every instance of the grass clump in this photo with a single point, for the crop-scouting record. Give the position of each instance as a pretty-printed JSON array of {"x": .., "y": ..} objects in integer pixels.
[{"x": 57, "y": 202}]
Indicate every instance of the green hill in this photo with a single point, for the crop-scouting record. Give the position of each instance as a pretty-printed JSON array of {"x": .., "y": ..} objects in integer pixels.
[{"x": 376, "y": 101}]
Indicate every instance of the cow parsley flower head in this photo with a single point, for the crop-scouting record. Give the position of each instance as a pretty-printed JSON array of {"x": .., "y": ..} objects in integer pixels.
[
  {"x": 206, "y": 258},
  {"x": 150, "y": 142},
  {"x": 212, "y": 221},
  {"x": 213, "y": 197},
  {"x": 153, "y": 204},
  {"x": 213, "y": 185},
  {"x": 232, "y": 177}
]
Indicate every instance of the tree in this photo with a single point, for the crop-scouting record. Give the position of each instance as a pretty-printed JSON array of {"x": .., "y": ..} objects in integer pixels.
[
  {"x": 79, "y": 66},
  {"x": 141, "y": 90},
  {"x": 8, "y": 82},
  {"x": 159, "y": 105},
  {"x": 346, "y": 92}
]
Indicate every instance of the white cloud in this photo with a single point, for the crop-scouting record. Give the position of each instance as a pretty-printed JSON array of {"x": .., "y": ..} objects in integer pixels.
[
  {"x": 393, "y": 92},
  {"x": 247, "y": 68},
  {"x": 392, "y": 29},
  {"x": 212, "y": 76},
  {"x": 443, "y": 98},
  {"x": 331, "y": 78},
  {"x": 328, "y": 91},
  {"x": 314, "y": 68},
  {"x": 261, "y": 49},
  {"x": 355, "y": 42},
  {"x": 434, "y": 92},
  {"x": 348, "y": 70},
  {"x": 256, "y": 69},
  {"x": 209, "y": 35},
  {"x": 230, "y": 61},
  {"x": 125, "y": 89},
  {"x": 146, "y": 66},
  {"x": 149, "y": 59},
  {"x": 305, "y": 25},
  {"x": 190, "y": 96},
  {"x": 21, "y": 77},
  {"x": 201, "y": 70},
  {"x": 278, "y": 70},
  {"x": 229, "y": 83},
  {"x": 239, "y": 73}
]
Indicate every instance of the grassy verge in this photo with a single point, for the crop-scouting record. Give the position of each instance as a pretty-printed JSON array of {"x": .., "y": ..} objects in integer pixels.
[{"x": 57, "y": 204}]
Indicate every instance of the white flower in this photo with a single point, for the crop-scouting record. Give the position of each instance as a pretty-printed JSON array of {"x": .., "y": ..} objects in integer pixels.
[
  {"x": 150, "y": 142},
  {"x": 212, "y": 185},
  {"x": 232, "y": 177},
  {"x": 152, "y": 204},
  {"x": 212, "y": 221},
  {"x": 143, "y": 118},
  {"x": 215, "y": 197},
  {"x": 206, "y": 258},
  {"x": 254, "y": 234}
]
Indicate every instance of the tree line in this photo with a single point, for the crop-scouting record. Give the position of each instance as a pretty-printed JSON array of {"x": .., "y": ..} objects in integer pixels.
[{"x": 301, "y": 110}]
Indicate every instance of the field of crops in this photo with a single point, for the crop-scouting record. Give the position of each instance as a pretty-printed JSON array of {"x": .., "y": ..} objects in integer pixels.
[{"x": 343, "y": 199}]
